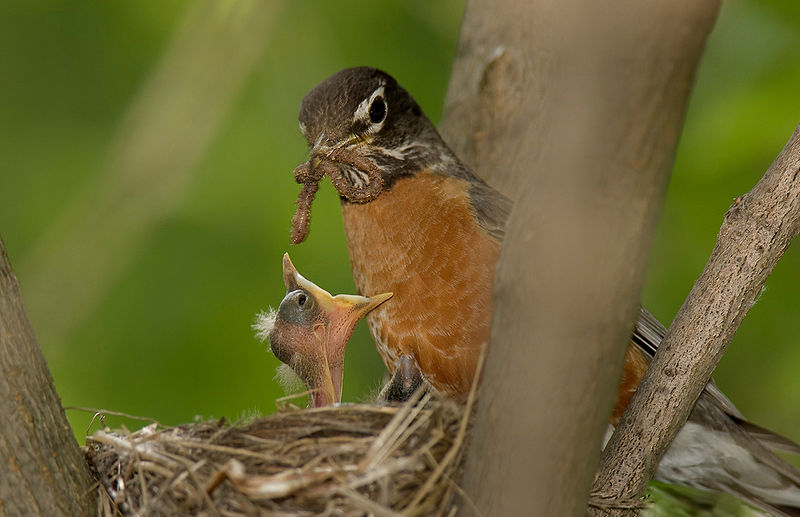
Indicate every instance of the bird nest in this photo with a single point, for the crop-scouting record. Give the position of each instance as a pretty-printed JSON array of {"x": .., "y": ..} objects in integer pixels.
[{"x": 347, "y": 460}]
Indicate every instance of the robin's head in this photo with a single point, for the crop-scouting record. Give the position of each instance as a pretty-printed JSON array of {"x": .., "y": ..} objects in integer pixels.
[
  {"x": 365, "y": 131},
  {"x": 310, "y": 330},
  {"x": 361, "y": 124}
]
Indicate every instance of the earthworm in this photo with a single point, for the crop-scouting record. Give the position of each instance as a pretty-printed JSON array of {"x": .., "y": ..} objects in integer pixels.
[
  {"x": 309, "y": 176},
  {"x": 344, "y": 187},
  {"x": 302, "y": 174},
  {"x": 303, "y": 214}
]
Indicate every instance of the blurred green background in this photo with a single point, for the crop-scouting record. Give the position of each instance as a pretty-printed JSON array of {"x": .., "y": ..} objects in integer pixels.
[{"x": 146, "y": 189}]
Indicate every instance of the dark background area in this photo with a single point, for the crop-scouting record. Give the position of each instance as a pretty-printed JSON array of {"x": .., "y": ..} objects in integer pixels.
[{"x": 161, "y": 326}]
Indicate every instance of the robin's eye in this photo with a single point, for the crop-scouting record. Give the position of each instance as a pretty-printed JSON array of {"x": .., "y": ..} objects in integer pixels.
[
  {"x": 377, "y": 110},
  {"x": 302, "y": 299}
]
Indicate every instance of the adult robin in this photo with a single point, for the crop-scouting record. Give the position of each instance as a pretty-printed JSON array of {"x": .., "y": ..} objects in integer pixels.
[
  {"x": 421, "y": 224},
  {"x": 310, "y": 330}
]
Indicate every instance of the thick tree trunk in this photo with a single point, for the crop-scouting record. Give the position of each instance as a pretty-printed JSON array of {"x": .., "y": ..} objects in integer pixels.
[
  {"x": 574, "y": 110},
  {"x": 42, "y": 470},
  {"x": 757, "y": 230}
]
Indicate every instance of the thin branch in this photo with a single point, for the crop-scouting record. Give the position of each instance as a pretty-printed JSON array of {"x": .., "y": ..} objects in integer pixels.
[{"x": 756, "y": 231}]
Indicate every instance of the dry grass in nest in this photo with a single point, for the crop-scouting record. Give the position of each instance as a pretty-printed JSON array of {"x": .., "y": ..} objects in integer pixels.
[{"x": 349, "y": 460}]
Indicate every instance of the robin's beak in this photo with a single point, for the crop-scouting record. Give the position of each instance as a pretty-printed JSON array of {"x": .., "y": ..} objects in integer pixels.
[
  {"x": 322, "y": 149},
  {"x": 329, "y": 325}
]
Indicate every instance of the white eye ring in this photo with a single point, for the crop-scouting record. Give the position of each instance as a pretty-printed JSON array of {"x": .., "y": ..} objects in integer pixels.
[{"x": 362, "y": 111}]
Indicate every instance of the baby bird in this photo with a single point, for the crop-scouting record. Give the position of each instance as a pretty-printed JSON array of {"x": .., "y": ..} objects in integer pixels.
[
  {"x": 310, "y": 330},
  {"x": 405, "y": 380}
]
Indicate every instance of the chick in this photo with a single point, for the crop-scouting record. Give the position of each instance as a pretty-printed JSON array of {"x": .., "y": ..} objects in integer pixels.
[
  {"x": 405, "y": 381},
  {"x": 310, "y": 330}
]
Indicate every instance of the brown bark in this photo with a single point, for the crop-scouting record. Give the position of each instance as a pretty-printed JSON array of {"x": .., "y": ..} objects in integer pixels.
[
  {"x": 577, "y": 109},
  {"x": 42, "y": 470},
  {"x": 756, "y": 231}
]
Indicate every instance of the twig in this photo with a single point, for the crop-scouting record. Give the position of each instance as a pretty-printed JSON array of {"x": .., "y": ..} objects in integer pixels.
[
  {"x": 365, "y": 504},
  {"x": 455, "y": 449},
  {"x": 132, "y": 446},
  {"x": 388, "y": 436},
  {"x": 113, "y": 413}
]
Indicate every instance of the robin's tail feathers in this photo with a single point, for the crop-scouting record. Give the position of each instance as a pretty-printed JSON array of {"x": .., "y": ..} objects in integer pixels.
[
  {"x": 733, "y": 462},
  {"x": 769, "y": 439}
]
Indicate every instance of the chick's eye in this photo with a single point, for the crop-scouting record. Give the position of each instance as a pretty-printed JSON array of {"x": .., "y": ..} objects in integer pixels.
[
  {"x": 302, "y": 299},
  {"x": 377, "y": 110}
]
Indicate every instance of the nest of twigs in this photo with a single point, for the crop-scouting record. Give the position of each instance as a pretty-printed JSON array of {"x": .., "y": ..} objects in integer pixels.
[{"x": 348, "y": 460}]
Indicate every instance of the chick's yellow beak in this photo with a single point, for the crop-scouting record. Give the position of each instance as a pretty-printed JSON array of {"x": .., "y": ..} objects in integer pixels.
[{"x": 340, "y": 315}]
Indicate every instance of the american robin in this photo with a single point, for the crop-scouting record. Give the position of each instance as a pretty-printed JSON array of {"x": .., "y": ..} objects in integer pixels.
[
  {"x": 416, "y": 219},
  {"x": 421, "y": 224},
  {"x": 310, "y": 330}
]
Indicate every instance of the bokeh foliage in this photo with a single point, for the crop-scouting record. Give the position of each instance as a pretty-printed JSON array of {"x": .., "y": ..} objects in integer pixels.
[{"x": 168, "y": 334}]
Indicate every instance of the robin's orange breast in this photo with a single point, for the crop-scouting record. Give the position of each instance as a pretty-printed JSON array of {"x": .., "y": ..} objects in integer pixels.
[
  {"x": 632, "y": 373},
  {"x": 421, "y": 241}
]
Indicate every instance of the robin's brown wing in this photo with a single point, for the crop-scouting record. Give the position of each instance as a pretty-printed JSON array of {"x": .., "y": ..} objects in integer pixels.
[
  {"x": 647, "y": 336},
  {"x": 491, "y": 207}
]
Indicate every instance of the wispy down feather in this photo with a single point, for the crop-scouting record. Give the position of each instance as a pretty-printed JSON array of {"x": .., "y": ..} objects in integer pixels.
[
  {"x": 284, "y": 374},
  {"x": 264, "y": 323},
  {"x": 288, "y": 379}
]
